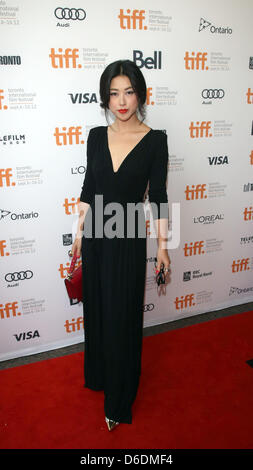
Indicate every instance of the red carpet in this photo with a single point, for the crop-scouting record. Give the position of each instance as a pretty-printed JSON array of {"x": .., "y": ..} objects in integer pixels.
[{"x": 196, "y": 391}]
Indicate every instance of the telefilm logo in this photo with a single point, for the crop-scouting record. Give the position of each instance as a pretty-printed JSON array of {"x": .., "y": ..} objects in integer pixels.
[
  {"x": 10, "y": 139},
  {"x": 207, "y": 25},
  {"x": 148, "y": 62},
  {"x": 246, "y": 240},
  {"x": 10, "y": 60}
]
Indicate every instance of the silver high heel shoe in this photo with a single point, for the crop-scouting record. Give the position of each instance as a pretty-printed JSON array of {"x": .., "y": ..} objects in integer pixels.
[{"x": 110, "y": 423}]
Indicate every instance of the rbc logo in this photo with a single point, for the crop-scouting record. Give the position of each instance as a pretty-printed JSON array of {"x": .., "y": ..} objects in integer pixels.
[{"x": 149, "y": 62}]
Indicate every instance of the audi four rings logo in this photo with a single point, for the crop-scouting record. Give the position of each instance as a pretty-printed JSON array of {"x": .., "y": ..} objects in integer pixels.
[
  {"x": 70, "y": 13},
  {"x": 148, "y": 307},
  {"x": 10, "y": 277},
  {"x": 213, "y": 93}
]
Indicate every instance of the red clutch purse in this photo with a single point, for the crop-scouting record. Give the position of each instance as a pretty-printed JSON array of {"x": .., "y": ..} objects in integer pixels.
[{"x": 73, "y": 281}]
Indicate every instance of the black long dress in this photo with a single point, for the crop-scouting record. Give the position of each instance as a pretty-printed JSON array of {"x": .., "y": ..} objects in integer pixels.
[{"x": 114, "y": 269}]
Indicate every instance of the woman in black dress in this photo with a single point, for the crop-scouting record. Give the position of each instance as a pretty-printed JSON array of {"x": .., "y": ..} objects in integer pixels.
[{"x": 121, "y": 160}]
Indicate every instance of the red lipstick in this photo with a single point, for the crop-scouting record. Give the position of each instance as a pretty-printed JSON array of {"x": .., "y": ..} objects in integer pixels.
[{"x": 122, "y": 111}]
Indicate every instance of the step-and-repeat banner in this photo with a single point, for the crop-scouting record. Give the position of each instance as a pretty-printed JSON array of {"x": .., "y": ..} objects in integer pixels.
[{"x": 197, "y": 59}]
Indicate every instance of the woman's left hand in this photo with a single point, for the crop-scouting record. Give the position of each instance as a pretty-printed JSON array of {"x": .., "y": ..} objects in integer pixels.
[{"x": 163, "y": 258}]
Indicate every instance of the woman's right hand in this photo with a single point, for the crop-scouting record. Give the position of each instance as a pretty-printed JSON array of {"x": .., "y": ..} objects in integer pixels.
[{"x": 77, "y": 246}]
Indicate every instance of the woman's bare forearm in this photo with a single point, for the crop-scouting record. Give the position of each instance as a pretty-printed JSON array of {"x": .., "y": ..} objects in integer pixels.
[
  {"x": 161, "y": 226},
  {"x": 82, "y": 209}
]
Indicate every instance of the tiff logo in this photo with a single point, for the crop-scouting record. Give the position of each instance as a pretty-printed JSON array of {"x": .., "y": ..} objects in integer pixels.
[
  {"x": 194, "y": 248},
  {"x": 248, "y": 214},
  {"x": 240, "y": 265},
  {"x": 249, "y": 95},
  {"x": 5, "y": 174},
  {"x": 9, "y": 310},
  {"x": 132, "y": 21},
  {"x": 68, "y": 137},
  {"x": 196, "y": 62},
  {"x": 2, "y": 106},
  {"x": 74, "y": 325},
  {"x": 184, "y": 301},
  {"x": 196, "y": 192},
  {"x": 66, "y": 59},
  {"x": 198, "y": 130}
]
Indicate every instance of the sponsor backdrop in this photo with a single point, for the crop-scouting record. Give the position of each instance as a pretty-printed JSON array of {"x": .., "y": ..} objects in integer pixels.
[{"x": 197, "y": 58}]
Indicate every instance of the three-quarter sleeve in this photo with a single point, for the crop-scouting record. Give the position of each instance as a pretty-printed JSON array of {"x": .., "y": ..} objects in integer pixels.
[
  {"x": 88, "y": 188},
  {"x": 157, "y": 180}
]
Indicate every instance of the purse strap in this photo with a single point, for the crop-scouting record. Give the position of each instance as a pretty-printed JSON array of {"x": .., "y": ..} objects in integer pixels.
[{"x": 72, "y": 264}]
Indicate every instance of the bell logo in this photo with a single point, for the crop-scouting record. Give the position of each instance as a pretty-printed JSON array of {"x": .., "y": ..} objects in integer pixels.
[
  {"x": 197, "y": 130},
  {"x": 194, "y": 248},
  {"x": 240, "y": 265},
  {"x": 74, "y": 325},
  {"x": 68, "y": 137},
  {"x": 184, "y": 301},
  {"x": 196, "y": 192},
  {"x": 5, "y": 180},
  {"x": 194, "y": 62},
  {"x": 66, "y": 59},
  {"x": 9, "y": 310},
  {"x": 249, "y": 95},
  {"x": 248, "y": 213},
  {"x": 2, "y": 106},
  {"x": 149, "y": 62},
  {"x": 132, "y": 21},
  {"x": 2, "y": 247},
  {"x": 63, "y": 270}
]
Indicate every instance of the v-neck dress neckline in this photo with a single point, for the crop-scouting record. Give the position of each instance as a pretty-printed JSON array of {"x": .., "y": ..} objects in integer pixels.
[{"x": 129, "y": 153}]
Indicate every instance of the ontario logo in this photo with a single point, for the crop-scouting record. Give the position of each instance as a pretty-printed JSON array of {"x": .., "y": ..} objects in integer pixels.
[{"x": 204, "y": 25}]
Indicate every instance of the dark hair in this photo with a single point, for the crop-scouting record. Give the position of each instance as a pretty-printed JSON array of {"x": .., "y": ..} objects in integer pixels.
[{"x": 130, "y": 69}]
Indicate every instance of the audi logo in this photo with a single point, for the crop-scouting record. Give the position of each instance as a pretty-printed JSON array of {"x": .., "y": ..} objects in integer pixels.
[
  {"x": 10, "y": 277},
  {"x": 148, "y": 307},
  {"x": 70, "y": 13},
  {"x": 213, "y": 93}
]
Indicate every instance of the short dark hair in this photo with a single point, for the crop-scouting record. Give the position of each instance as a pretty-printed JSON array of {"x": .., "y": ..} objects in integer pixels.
[{"x": 130, "y": 69}]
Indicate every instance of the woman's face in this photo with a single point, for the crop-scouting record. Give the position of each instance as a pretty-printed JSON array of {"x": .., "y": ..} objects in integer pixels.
[{"x": 122, "y": 97}]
